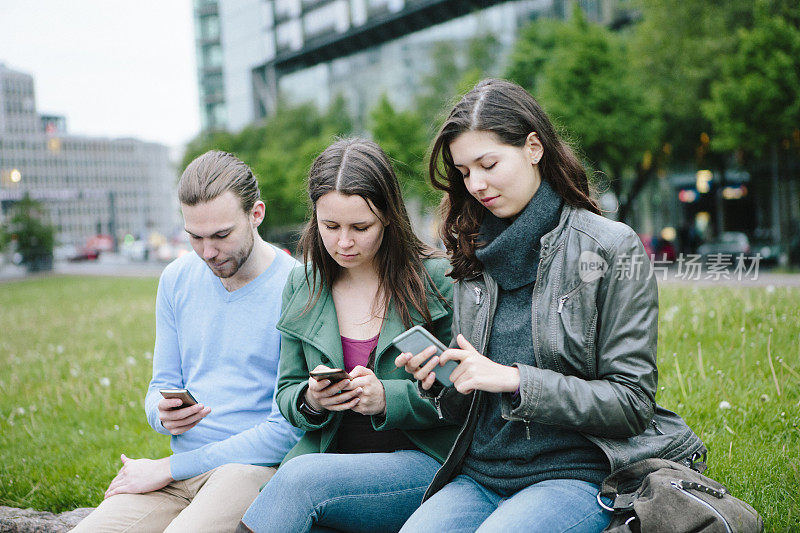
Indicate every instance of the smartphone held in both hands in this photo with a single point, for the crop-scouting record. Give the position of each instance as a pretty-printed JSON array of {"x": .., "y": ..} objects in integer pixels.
[
  {"x": 334, "y": 375},
  {"x": 418, "y": 339}
]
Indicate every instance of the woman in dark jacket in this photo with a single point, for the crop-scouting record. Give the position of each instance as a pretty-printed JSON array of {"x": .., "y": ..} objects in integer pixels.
[{"x": 555, "y": 312}]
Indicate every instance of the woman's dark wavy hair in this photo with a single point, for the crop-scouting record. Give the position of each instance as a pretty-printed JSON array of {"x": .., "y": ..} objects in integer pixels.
[
  {"x": 356, "y": 166},
  {"x": 510, "y": 112}
]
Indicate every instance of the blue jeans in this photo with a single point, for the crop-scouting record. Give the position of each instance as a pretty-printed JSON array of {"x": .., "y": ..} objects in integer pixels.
[
  {"x": 344, "y": 492},
  {"x": 556, "y": 505}
]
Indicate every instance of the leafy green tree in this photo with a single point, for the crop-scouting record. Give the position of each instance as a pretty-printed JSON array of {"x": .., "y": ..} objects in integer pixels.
[
  {"x": 532, "y": 50},
  {"x": 34, "y": 235},
  {"x": 5, "y": 238},
  {"x": 580, "y": 73},
  {"x": 676, "y": 52},
  {"x": 280, "y": 151},
  {"x": 404, "y": 136},
  {"x": 756, "y": 103},
  {"x": 754, "y": 108}
]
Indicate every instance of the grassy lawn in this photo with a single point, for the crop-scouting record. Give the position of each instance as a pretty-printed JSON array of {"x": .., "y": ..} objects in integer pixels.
[{"x": 75, "y": 355}]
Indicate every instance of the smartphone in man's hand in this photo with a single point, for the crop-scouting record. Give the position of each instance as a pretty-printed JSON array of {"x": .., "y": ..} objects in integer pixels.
[{"x": 183, "y": 394}]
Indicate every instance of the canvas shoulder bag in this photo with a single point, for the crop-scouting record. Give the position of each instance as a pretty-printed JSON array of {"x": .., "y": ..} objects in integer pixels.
[{"x": 657, "y": 495}]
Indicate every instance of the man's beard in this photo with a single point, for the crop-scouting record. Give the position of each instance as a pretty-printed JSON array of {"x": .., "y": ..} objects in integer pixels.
[{"x": 235, "y": 262}]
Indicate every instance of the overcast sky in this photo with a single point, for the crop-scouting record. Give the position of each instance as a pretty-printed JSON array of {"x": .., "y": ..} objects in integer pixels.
[{"x": 114, "y": 68}]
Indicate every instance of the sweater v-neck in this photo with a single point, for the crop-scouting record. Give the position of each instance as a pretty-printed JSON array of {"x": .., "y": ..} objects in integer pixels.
[{"x": 248, "y": 288}]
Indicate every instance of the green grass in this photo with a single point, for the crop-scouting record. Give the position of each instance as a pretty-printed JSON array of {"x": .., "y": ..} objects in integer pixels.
[{"x": 75, "y": 355}]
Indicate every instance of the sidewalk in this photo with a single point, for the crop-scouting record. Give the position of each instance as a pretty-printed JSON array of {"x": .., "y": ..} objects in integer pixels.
[
  {"x": 106, "y": 265},
  {"x": 118, "y": 266}
]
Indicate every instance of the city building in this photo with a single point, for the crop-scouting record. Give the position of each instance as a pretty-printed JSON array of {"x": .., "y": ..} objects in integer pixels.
[
  {"x": 250, "y": 53},
  {"x": 89, "y": 185}
]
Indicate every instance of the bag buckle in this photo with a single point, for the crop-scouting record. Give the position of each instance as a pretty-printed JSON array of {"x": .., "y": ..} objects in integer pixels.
[{"x": 604, "y": 506}]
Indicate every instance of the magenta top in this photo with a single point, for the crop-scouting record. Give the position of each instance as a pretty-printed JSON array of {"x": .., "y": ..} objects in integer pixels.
[{"x": 356, "y": 352}]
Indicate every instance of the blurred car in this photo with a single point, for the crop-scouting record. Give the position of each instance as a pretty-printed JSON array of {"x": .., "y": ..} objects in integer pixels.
[
  {"x": 769, "y": 251},
  {"x": 93, "y": 248},
  {"x": 728, "y": 242}
]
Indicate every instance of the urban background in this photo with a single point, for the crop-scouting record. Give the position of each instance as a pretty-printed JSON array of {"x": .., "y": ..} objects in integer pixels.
[{"x": 687, "y": 112}]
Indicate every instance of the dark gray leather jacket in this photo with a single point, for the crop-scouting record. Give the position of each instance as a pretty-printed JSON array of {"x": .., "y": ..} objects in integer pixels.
[{"x": 595, "y": 329}]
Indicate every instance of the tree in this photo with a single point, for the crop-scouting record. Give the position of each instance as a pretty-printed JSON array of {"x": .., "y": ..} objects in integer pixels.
[
  {"x": 756, "y": 102},
  {"x": 580, "y": 73},
  {"x": 34, "y": 235},
  {"x": 404, "y": 137},
  {"x": 676, "y": 51},
  {"x": 280, "y": 151},
  {"x": 754, "y": 107}
]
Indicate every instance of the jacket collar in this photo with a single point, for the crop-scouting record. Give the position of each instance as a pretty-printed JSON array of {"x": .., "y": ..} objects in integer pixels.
[
  {"x": 319, "y": 326},
  {"x": 552, "y": 240}
]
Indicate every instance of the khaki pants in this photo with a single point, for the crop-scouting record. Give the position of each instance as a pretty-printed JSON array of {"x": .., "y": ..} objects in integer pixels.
[{"x": 213, "y": 502}]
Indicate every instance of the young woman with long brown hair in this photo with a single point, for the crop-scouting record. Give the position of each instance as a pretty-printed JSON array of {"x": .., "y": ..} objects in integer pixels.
[
  {"x": 556, "y": 321},
  {"x": 372, "y": 445}
]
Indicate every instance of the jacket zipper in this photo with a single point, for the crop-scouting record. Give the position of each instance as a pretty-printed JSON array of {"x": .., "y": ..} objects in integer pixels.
[
  {"x": 437, "y": 403},
  {"x": 676, "y": 484},
  {"x": 477, "y": 295},
  {"x": 533, "y": 322},
  {"x": 563, "y": 299}
]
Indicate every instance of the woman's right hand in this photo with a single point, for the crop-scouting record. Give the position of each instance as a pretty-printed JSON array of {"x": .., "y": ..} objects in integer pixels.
[
  {"x": 414, "y": 365},
  {"x": 324, "y": 395}
]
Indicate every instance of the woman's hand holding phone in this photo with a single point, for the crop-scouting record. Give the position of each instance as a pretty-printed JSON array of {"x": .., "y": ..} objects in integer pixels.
[
  {"x": 372, "y": 399},
  {"x": 475, "y": 371},
  {"x": 324, "y": 395},
  {"x": 413, "y": 364}
]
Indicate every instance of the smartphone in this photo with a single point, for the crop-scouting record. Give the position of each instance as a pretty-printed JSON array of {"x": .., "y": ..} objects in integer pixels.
[
  {"x": 416, "y": 340},
  {"x": 334, "y": 375},
  {"x": 183, "y": 394}
]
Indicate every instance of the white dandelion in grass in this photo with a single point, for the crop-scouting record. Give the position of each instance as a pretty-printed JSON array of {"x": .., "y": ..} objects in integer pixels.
[
  {"x": 74, "y": 372},
  {"x": 105, "y": 382},
  {"x": 770, "y": 289},
  {"x": 20, "y": 410},
  {"x": 148, "y": 355},
  {"x": 131, "y": 360},
  {"x": 724, "y": 405},
  {"x": 59, "y": 349},
  {"x": 116, "y": 427},
  {"x": 669, "y": 314}
]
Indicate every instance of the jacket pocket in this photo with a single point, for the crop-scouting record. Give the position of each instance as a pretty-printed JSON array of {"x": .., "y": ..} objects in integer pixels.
[{"x": 576, "y": 318}]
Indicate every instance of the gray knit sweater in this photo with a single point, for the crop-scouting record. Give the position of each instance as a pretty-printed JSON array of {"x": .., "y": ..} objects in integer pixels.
[{"x": 505, "y": 456}]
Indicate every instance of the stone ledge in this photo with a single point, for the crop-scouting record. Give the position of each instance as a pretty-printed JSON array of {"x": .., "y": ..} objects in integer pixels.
[{"x": 13, "y": 520}]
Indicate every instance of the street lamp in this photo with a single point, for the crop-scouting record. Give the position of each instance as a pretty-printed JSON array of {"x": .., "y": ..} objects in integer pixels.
[{"x": 15, "y": 176}]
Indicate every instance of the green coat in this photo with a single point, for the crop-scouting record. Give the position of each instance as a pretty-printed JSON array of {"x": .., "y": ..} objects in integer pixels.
[{"x": 312, "y": 338}]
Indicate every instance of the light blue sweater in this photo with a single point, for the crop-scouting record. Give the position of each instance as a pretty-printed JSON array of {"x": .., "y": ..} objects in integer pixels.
[{"x": 224, "y": 348}]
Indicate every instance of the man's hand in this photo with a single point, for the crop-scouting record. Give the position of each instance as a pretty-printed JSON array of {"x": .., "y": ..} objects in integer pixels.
[
  {"x": 373, "y": 396},
  {"x": 332, "y": 397},
  {"x": 178, "y": 421},
  {"x": 477, "y": 372},
  {"x": 140, "y": 475}
]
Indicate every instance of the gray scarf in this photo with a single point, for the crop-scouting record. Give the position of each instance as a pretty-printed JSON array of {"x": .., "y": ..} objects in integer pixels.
[{"x": 511, "y": 253}]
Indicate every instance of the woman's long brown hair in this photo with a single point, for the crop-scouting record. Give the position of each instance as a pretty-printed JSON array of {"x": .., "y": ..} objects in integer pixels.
[
  {"x": 360, "y": 167},
  {"x": 511, "y": 113}
]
